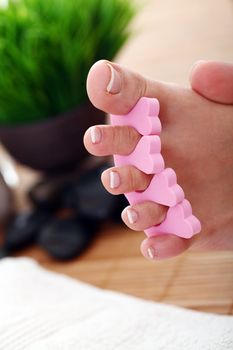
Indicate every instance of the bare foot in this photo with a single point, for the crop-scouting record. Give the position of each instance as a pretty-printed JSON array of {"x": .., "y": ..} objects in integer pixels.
[{"x": 197, "y": 141}]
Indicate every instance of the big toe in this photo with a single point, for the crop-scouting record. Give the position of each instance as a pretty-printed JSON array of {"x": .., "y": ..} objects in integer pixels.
[
  {"x": 213, "y": 80},
  {"x": 115, "y": 89}
]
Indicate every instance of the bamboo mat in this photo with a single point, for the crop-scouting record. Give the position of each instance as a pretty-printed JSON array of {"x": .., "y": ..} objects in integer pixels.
[
  {"x": 200, "y": 281},
  {"x": 169, "y": 36}
]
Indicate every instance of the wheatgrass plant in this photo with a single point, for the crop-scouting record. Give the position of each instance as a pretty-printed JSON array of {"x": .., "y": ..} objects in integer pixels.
[{"x": 47, "y": 48}]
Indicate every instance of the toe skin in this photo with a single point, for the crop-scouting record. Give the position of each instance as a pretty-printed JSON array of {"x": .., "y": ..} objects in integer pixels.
[{"x": 148, "y": 214}]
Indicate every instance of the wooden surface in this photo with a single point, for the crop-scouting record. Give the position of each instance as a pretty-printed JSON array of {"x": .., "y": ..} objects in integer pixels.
[
  {"x": 200, "y": 281},
  {"x": 169, "y": 36}
]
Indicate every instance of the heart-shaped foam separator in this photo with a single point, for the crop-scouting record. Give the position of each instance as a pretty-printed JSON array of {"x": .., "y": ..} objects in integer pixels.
[
  {"x": 179, "y": 221},
  {"x": 146, "y": 155},
  {"x": 163, "y": 189},
  {"x": 143, "y": 117}
]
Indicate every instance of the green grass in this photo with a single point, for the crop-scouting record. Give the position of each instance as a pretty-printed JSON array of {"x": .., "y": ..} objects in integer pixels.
[{"x": 47, "y": 48}]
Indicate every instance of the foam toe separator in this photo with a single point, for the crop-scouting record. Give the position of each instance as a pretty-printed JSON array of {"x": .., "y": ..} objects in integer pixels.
[{"x": 163, "y": 188}]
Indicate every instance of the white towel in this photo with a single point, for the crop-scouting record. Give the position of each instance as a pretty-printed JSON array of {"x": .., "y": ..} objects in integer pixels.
[{"x": 41, "y": 310}]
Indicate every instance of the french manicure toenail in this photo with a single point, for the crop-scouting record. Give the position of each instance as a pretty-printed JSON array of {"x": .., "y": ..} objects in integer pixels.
[
  {"x": 114, "y": 85},
  {"x": 151, "y": 253},
  {"x": 132, "y": 216},
  {"x": 96, "y": 134},
  {"x": 114, "y": 179}
]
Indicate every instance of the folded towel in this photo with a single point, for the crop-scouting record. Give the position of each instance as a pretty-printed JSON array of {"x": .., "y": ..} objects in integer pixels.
[{"x": 42, "y": 310}]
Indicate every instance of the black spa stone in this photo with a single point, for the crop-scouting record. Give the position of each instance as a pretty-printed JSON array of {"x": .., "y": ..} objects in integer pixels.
[
  {"x": 23, "y": 229},
  {"x": 90, "y": 199},
  {"x": 64, "y": 239}
]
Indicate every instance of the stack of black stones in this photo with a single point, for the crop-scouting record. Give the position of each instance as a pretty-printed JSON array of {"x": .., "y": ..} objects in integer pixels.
[{"x": 67, "y": 213}]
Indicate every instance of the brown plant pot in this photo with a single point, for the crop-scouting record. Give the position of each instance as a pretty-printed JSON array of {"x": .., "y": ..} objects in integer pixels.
[{"x": 53, "y": 145}]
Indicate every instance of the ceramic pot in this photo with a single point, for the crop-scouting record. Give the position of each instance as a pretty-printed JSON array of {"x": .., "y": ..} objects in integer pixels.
[
  {"x": 53, "y": 145},
  {"x": 6, "y": 205}
]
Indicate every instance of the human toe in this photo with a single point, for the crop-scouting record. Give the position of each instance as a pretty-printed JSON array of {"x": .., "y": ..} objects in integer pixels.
[
  {"x": 103, "y": 140},
  {"x": 116, "y": 89},
  {"x": 143, "y": 215},
  {"x": 124, "y": 179}
]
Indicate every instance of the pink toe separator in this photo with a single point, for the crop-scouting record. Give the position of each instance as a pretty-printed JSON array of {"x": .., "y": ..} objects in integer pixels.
[
  {"x": 146, "y": 155},
  {"x": 143, "y": 117},
  {"x": 179, "y": 221},
  {"x": 163, "y": 188}
]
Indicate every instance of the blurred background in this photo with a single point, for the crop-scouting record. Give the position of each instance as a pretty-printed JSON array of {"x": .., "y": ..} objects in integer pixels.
[
  {"x": 170, "y": 35},
  {"x": 53, "y": 187}
]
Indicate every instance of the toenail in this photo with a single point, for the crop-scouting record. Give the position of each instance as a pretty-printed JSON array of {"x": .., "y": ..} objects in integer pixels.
[
  {"x": 114, "y": 85},
  {"x": 132, "y": 216},
  {"x": 151, "y": 253},
  {"x": 114, "y": 179},
  {"x": 96, "y": 134}
]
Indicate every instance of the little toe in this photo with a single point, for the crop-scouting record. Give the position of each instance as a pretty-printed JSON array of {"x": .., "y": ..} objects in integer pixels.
[
  {"x": 143, "y": 215},
  {"x": 164, "y": 247}
]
